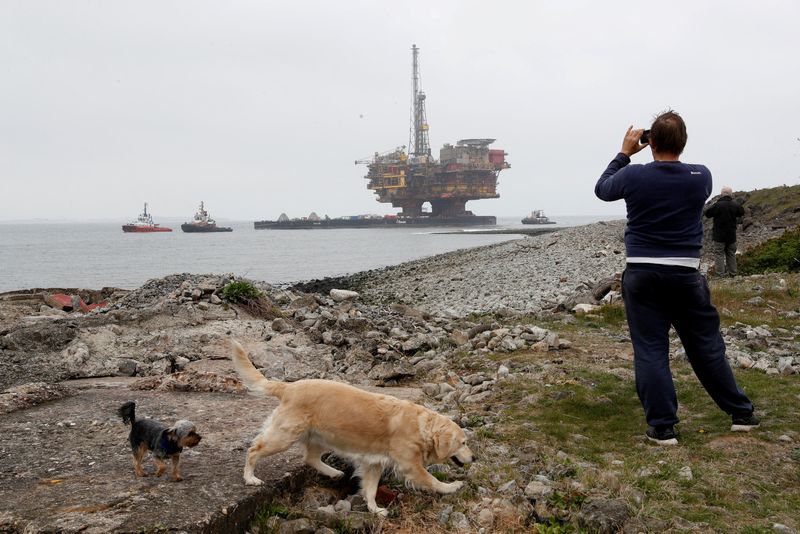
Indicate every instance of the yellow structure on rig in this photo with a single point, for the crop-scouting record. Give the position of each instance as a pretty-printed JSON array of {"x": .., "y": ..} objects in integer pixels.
[{"x": 464, "y": 172}]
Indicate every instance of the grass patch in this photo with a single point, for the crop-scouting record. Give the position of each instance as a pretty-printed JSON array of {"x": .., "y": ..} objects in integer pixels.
[
  {"x": 574, "y": 408},
  {"x": 781, "y": 254},
  {"x": 612, "y": 314},
  {"x": 738, "y": 481},
  {"x": 261, "y": 522},
  {"x": 240, "y": 292},
  {"x": 606, "y": 316},
  {"x": 773, "y": 202}
]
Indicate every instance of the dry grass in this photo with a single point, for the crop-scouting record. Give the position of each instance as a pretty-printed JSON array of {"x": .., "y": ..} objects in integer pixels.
[
  {"x": 261, "y": 308},
  {"x": 736, "y": 299}
]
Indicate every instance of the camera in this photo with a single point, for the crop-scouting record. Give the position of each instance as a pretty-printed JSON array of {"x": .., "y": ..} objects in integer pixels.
[{"x": 645, "y": 138}]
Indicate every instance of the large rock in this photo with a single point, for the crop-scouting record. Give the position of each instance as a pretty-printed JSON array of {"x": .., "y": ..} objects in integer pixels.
[
  {"x": 341, "y": 295},
  {"x": 81, "y": 362},
  {"x": 42, "y": 337},
  {"x": 581, "y": 309},
  {"x": 419, "y": 342},
  {"x": 281, "y": 325},
  {"x": 27, "y": 395},
  {"x": 604, "y": 516},
  {"x": 385, "y": 371}
]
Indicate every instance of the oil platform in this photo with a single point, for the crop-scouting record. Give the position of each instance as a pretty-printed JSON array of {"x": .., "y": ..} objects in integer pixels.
[{"x": 464, "y": 172}]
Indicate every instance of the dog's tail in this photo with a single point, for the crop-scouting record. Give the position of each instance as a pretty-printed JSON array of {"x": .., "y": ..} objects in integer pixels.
[
  {"x": 252, "y": 378},
  {"x": 128, "y": 412}
]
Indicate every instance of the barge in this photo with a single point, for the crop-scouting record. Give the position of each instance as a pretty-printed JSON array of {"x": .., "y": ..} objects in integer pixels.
[{"x": 361, "y": 221}]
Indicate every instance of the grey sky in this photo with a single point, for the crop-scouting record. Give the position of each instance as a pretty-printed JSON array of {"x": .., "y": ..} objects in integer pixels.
[{"x": 261, "y": 107}]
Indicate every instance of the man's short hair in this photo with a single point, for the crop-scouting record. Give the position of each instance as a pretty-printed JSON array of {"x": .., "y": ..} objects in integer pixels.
[{"x": 668, "y": 133}]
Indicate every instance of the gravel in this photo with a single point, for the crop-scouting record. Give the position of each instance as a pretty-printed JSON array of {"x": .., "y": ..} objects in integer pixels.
[{"x": 527, "y": 275}]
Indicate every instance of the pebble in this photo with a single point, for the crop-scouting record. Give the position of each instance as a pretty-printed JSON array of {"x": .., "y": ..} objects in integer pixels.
[
  {"x": 537, "y": 489},
  {"x": 444, "y": 515},
  {"x": 342, "y": 506},
  {"x": 460, "y": 522},
  {"x": 486, "y": 518},
  {"x": 685, "y": 473},
  {"x": 509, "y": 486}
]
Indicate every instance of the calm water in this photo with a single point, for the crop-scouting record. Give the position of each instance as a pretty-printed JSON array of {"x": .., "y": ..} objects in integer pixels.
[{"x": 94, "y": 255}]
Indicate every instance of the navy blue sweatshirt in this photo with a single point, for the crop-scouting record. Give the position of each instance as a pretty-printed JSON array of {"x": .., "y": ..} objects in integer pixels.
[{"x": 665, "y": 202}]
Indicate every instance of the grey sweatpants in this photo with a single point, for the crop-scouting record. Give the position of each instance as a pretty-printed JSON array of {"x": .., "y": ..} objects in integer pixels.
[{"x": 725, "y": 258}]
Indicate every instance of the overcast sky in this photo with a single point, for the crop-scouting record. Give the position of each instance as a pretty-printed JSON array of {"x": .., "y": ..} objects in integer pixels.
[{"x": 261, "y": 107}]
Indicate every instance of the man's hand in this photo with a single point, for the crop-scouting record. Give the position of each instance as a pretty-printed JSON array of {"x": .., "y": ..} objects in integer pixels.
[{"x": 630, "y": 145}]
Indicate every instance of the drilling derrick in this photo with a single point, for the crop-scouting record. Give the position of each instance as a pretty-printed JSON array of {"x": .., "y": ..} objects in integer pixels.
[
  {"x": 418, "y": 144},
  {"x": 464, "y": 172}
]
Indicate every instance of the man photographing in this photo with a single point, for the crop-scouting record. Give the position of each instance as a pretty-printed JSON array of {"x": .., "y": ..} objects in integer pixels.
[{"x": 661, "y": 285}]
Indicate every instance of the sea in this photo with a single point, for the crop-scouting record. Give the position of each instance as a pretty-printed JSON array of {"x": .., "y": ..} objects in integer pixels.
[{"x": 93, "y": 255}]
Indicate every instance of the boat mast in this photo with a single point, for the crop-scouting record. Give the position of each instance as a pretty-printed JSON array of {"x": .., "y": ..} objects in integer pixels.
[{"x": 418, "y": 144}]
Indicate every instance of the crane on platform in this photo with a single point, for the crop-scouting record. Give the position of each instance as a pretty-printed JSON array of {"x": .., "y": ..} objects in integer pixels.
[{"x": 400, "y": 153}]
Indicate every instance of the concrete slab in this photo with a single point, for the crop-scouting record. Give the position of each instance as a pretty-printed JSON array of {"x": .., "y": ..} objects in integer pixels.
[{"x": 66, "y": 466}]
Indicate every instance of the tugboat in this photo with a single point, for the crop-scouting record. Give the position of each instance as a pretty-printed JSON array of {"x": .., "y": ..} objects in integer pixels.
[
  {"x": 144, "y": 223},
  {"x": 537, "y": 217},
  {"x": 203, "y": 223}
]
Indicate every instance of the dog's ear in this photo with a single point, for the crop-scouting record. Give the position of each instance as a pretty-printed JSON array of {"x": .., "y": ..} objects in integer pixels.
[
  {"x": 443, "y": 443},
  {"x": 172, "y": 434}
]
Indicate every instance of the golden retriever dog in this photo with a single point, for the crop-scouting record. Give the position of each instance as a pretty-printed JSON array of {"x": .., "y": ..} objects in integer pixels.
[{"x": 373, "y": 431}]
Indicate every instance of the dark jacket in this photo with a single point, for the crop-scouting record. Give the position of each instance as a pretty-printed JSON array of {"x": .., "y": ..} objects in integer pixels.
[
  {"x": 724, "y": 211},
  {"x": 665, "y": 202}
]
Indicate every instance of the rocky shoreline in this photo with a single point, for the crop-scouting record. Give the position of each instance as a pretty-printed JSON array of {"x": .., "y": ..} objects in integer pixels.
[
  {"x": 423, "y": 329},
  {"x": 531, "y": 275}
]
